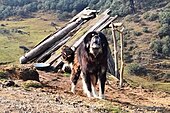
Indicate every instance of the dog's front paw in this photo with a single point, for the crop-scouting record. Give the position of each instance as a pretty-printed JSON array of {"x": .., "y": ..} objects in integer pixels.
[
  {"x": 73, "y": 88},
  {"x": 101, "y": 96}
]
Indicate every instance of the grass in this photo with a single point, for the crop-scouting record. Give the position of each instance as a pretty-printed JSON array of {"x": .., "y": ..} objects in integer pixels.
[
  {"x": 145, "y": 82},
  {"x": 31, "y": 83},
  {"x": 37, "y": 28},
  {"x": 103, "y": 106}
]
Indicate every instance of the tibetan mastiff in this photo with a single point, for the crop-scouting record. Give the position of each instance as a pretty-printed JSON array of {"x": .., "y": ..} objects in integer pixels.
[{"x": 90, "y": 62}]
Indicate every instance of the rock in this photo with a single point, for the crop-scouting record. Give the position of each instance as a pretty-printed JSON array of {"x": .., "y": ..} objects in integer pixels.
[
  {"x": 9, "y": 83},
  {"x": 29, "y": 74}
]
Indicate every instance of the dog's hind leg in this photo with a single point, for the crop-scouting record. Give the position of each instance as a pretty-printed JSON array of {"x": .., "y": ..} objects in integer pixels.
[{"x": 74, "y": 79}]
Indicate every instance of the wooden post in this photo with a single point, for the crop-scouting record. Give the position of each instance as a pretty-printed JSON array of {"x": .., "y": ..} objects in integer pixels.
[
  {"x": 49, "y": 42},
  {"x": 122, "y": 60},
  {"x": 115, "y": 51}
]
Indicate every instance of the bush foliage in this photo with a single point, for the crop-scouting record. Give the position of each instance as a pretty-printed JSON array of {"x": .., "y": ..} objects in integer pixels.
[
  {"x": 136, "y": 69},
  {"x": 25, "y": 7},
  {"x": 161, "y": 46}
]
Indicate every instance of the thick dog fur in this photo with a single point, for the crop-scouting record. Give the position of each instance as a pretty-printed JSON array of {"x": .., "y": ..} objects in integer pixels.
[{"x": 90, "y": 62}]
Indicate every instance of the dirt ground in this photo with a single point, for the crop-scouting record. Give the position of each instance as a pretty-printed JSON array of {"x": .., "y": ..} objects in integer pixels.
[{"x": 56, "y": 97}]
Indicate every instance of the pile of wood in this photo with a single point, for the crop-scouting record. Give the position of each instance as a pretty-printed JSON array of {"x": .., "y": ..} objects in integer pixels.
[{"x": 48, "y": 51}]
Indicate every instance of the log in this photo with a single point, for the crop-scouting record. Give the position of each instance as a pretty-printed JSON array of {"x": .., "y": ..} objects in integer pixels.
[
  {"x": 115, "y": 51},
  {"x": 86, "y": 13},
  {"x": 122, "y": 63},
  {"x": 107, "y": 23},
  {"x": 49, "y": 42},
  {"x": 57, "y": 45},
  {"x": 51, "y": 50}
]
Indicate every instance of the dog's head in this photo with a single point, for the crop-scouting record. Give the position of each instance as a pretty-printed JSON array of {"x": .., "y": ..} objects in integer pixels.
[
  {"x": 94, "y": 43},
  {"x": 67, "y": 54}
]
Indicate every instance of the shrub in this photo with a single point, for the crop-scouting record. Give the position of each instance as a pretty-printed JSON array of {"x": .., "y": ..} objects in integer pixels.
[
  {"x": 164, "y": 30},
  {"x": 136, "y": 69},
  {"x": 31, "y": 83},
  {"x": 3, "y": 75},
  {"x": 153, "y": 17},
  {"x": 166, "y": 50},
  {"x": 128, "y": 57},
  {"x": 156, "y": 46},
  {"x": 146, "y": 15},
  {"x": 145, "y": 30},
  {"x": 164, "y": 17},
  {"x": 136, "y": 33},
  {"x": 129, "y": 18},
  {"x": 161, "y": 46},
  {"x": 64, "y": 16}
]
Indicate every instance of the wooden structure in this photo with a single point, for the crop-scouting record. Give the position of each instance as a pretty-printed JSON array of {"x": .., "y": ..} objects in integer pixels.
[
  {"x": 115, "y": 28},
  {"x": 48, "y": 51}
]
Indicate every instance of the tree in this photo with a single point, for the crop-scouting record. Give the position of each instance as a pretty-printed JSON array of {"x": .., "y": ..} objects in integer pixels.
[{"x": 132, "y": 6}]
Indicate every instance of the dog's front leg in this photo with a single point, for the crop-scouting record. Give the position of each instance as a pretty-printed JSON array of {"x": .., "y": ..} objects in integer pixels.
[
  {"x": 86, "y": 84},
  {"x": 102, "y": 80}
]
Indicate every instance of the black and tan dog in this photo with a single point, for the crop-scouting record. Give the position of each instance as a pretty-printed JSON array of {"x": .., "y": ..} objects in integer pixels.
[{"x": 90, "y": 62}]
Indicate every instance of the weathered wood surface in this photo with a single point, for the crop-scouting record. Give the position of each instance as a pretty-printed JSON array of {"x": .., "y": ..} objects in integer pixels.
[
  {"x": 51, "y": 50},
  {"x": 107, "y": 23},
  {"x": 115, "y": 51},
  {"x": 49, "y": 42},
  {"x": 121, "y": 58},
  {"x": 57, "y": 45},
  {"x": 86, "y": 13}
]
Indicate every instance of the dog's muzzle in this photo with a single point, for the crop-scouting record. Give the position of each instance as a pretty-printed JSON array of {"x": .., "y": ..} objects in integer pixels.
[{"x": 95, "y": 45}]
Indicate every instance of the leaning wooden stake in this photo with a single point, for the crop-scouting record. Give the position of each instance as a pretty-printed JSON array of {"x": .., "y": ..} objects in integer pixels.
[
  {"x": 121, "y": 58},
  {"x": 115, "y": 51}
]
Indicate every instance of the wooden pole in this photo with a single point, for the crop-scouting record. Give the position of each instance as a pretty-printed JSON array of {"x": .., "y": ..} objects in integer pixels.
[
  {"x": 122, "y": 60},
  {"x": 52, "y": 49},
  {"x": 115, "y": 51},
  {"x": 49, "y": 42}
]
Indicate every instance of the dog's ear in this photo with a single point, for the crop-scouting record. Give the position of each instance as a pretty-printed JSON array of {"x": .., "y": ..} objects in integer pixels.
[{"x": 103, "y": 39}]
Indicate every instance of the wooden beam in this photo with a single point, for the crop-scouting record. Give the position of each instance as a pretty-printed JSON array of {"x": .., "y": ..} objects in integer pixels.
[
  {"x": 49, "y": 42},
  {"x": 122, "y": 60}
]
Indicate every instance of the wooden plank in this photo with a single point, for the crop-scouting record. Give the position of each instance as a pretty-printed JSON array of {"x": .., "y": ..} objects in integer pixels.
[
  {"x": 107, "y": 23},
  {"x": 49, "y": 42},
  {"x": 51, "y": 50}
]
